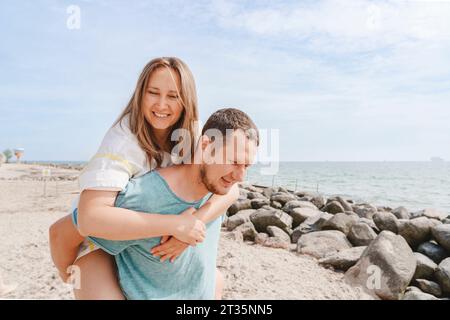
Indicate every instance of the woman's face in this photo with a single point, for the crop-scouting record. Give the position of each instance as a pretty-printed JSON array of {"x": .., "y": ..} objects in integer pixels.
[{"x": 161, "y": 103}]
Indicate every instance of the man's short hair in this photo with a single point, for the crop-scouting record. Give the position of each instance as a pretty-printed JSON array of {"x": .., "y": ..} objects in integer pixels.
[{"x": 232, "y": 119}]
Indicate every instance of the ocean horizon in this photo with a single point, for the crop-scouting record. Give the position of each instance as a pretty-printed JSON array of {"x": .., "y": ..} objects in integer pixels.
[{"x": 415, "y": 185}]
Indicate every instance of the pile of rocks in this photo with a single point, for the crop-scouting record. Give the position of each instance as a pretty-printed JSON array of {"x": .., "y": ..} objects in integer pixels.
[{"x": 389, "y": 253}]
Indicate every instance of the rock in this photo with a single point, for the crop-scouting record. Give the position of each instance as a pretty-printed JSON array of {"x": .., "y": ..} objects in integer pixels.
[
  {"x": 361, "y": 234},
  {"x": 259, "y": 203},
  {"x": 415, "y": 231},
  {"x": 344, "y": 204},
  {"x": 282, "y": 197},
  {"x": 318, "y": 201},
  {"x": 235, "y": 236},
  {"x": 442, "y": 275},
  {"x": 333, "y": 207},
  {"x": 299, "y": 215},
  {"x": 255, "y": 195},
  {"x": 267, "y": 192},
  {"x": 239, "y": 218},
  {"x": 311, "y": 224},
  {"x": 385, "y": 221},
  {"x": 370, "y": 223},
  {"x": 384, "y": 208},
  {"x": 276, "y": 204},
  {"x": 416, "y": 295},
  {"x": 289, "y": 206},
  {"x": 279, "y": 233},
  {"x": 343, "y": 259},
  {"x": 341, "y": 222},
  {"x": 365, "y": 210},
  {"x": 261, "y": 237},
  {"x": 401, "y": 213},
  {"x": 320, "y": 243},
  {"x": 385, "y": 268},
  {"x": 441, "y": 234},
  {"x": 263, "y": 218},
  {"x": 276, "y": 242},
  {"x": 251, "y": 188},
  {"x": 243, "y": 193},
  {"x": 425, "y": 267},
  {"x": 433, "y": 251},
  {"x": 430, "y": 287},
  {"x": 412, "y": 288},
  {"x": 238, "y": 206},
  {"x": 284, "y": 190},
  {"x": 446, "y": 221},
  {"x": 430, "y": 213},
  {"x": 248, "y": 231}
]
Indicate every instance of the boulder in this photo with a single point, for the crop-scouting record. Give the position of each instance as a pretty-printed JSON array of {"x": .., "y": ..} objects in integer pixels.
[
  {"x": 385, "y": 268},
  {"x": 319, "y": 244},
  {"x": 347, "y": 206},
  {"x": 299, "y": 215},
  {"x": 365, "y": 210},
  {"x": 255, "y": 195},
  {"x": 235, "y": 236},
  {"x": 415, "y": 231},
  {"x": 425, "y": 267},
  {"x": 279, "y": 233},
  {"x": 238, "y": 206},
  {"x": 430, "y": 287},
  {"x": 418, "y": 295},
  {"x": 318, "y": 201},
  {"x": 385, "y": 221},
  {"x": 276, "y": 204},
  {"x": 259, "y": 203},
  {"x": 311, "y": 224},
  {"x": 239, "y": 218},
  {"x": 441, "y": 233},
  {"x": 263, "y": 218},
  {"x": 282, "y": 197},
  {"x": 248, "y": 231},
  {"x": 276, "y": 242},
  {"x": 267, "y": 192},
  {"x": 433, "y": 251},
  {"x": 360, "y": 234},
  {"x": 370, "y": 223},
  {"x": 289, "y": 206},
  {"x": 343, "y": 259},
  {"x": 443, "y": 275},
  {"x": 261, "y": 237},
  {"x": 333, "y": 207},
  {"x": 430, "y": 213},
  {"x": 401, "y": 213},
  {"x": 340, "y": 221}
]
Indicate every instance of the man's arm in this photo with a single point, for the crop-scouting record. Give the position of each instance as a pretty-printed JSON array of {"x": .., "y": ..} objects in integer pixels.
[{"x": 97, "y": 217}]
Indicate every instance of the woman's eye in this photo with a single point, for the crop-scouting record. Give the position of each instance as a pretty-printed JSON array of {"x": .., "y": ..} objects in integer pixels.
[
  {"x": 154, "y": 93},
  {"x": 173, "y": 97}
]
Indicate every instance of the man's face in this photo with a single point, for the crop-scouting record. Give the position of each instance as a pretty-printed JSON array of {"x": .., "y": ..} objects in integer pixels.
[{"x": 237, "y": 154}]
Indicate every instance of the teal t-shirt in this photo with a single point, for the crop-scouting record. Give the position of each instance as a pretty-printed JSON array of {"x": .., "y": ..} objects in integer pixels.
[{"x": 141, "y": 275}]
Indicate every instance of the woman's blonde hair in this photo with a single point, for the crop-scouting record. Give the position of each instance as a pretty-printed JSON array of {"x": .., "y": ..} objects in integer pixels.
[{"x": 187, "y": 98}]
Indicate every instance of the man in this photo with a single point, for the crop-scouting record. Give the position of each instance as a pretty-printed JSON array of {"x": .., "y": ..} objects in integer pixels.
[{"x": 226, "y": 148}]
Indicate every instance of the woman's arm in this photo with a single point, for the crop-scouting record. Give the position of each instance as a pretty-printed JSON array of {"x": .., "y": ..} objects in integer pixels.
[
  {"x": 98, "y": 217},
  {"x": 217, "y": 205}
]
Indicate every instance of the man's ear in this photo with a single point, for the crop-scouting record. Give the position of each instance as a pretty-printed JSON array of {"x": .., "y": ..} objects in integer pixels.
[{"x": 205, "y": 141}]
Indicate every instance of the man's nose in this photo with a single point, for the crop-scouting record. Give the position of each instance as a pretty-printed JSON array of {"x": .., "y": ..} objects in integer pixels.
[{"x": 239, "y": 173}]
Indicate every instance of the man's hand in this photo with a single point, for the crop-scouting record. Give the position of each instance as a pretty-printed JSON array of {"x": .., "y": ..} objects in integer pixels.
[{"x": 170, "y": 248}]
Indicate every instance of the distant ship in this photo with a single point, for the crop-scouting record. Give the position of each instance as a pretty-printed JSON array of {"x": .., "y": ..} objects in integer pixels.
[{"x": 436, "y": 159}]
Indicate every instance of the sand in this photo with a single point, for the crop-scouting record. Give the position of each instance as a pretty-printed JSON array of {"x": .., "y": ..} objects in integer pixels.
[{"x": 27, "y": 271}]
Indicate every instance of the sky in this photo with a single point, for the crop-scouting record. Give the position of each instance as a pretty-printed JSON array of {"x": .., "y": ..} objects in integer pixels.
[{"x": 342, "y": 80}]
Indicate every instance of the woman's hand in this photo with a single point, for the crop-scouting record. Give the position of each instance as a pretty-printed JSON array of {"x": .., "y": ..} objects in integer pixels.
[
  {"x": 170, "y": 248},
  {"x": 189, "y": 229}
]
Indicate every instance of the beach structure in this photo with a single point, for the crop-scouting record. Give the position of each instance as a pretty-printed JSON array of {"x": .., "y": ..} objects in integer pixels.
[{"x": 18, "y": 152}]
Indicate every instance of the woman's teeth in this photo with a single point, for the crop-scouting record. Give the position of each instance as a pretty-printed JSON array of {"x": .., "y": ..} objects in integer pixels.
[{"x": 160, "y": 115}]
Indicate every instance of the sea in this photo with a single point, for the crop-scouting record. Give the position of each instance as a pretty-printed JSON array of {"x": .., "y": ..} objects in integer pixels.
[{"x": 414, "y": 185}]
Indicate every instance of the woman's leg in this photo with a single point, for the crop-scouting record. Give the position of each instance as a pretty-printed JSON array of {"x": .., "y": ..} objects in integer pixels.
[
  {"x": 96, "y": 277},
  {"x": 219, "y": 285}
]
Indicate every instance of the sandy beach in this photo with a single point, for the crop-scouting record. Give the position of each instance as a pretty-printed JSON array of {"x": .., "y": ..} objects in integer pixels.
[{"x": 27, "y": 272}]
